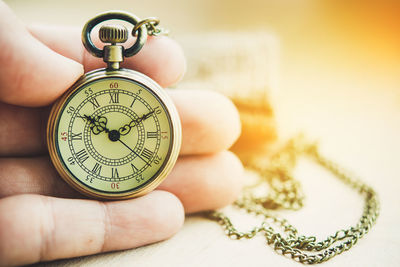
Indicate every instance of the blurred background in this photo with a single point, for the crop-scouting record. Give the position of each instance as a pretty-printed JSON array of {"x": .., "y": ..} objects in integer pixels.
[{"x": 328, "y": 49}]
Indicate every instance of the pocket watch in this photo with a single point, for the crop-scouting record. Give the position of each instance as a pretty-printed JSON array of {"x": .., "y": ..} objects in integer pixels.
[{"x": 115, "y": 134}]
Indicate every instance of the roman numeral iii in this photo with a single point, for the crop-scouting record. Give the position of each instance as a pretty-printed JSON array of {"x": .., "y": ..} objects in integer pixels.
[
  {"x": 152, "y": 134},
  {"x": 147, "y": 154}
]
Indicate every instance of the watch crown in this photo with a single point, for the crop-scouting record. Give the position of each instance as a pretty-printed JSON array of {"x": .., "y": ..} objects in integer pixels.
[{"x": 113, "y": 34}]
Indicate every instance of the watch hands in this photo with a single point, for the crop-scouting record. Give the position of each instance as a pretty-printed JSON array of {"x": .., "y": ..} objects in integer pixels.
[
  {"x": 124, "y": 130},
  {"x": 97, "y": 123},
  {"x": 133, "y": 151}
]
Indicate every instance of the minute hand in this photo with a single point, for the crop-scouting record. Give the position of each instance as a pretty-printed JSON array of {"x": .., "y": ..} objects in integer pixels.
[{"x": 124, "y": 130}]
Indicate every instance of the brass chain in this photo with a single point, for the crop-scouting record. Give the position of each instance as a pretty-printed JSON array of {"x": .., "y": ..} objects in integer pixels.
[
  {"x": 152, "y": 27},
  {"x": 286, "y": 194}
]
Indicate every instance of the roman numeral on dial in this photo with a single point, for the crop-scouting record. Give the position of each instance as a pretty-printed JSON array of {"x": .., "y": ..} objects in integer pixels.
[
  {"x": 114, "y": 173},
  {"x": 77, "y": 136},
  {"x": 82, "y": 155},
  {"x": 114, "y": 98},
  {"x": 135, "y": 170},
  {"x": 96, "y": 169},
  {"x": 152, "y": 134},
  {"x": 133, "y": 102},
  {"x": 147, "y": 154},
  {"x": 94, "y": 102}
]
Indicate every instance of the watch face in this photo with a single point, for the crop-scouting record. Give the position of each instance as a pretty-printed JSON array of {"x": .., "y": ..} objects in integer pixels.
[{"x": 113, "y": 137}]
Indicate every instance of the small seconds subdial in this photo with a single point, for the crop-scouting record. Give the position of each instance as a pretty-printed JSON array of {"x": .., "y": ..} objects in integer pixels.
[{"x": 114, "y": 135}]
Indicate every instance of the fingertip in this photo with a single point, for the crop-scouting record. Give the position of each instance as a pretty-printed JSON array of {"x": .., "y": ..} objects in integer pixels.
[
  {"x": 162, "y": 59},
  {"x": 169, "y": 218},
  {"x": 42, "y": 79},
  {"x": 32, "y": 74},
  {"x": 226, "y": 188},
  {"x": 236, "y": 175},
  {"x": 231, "y": 119},
  {"x": 206, "y": 182},
  {"x": 210, "y": 121}
]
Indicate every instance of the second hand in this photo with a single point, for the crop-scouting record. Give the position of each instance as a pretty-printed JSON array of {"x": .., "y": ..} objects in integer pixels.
[{"x": 133, "y": 151}]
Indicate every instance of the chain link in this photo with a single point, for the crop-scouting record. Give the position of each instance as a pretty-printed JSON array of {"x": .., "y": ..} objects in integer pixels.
[
  {"x": 286, "y": 193},
  {"x": 151, "y": 26}
]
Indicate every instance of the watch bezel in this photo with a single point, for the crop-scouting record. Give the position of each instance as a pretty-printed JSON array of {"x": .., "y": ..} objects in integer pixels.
[{"x": 144, "y": 81}]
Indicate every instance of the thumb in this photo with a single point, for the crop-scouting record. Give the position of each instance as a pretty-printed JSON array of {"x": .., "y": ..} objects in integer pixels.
[{"x": 31, "y": 74}]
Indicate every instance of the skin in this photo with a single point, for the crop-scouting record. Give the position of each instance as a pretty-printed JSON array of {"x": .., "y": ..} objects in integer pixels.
[{"x": 41, "y": 217}]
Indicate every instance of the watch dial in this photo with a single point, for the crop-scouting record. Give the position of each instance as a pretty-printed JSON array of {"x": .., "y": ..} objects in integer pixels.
[{"x": 113, "y": 135}]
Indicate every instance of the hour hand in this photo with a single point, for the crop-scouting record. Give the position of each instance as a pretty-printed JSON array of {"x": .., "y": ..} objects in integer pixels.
[
  {"x": 124, "y": 130},
  {"x": 97, "y": 124}
]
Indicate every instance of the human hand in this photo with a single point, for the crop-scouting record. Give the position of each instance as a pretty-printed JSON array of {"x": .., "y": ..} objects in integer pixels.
[{"x": 41, "y": 217}]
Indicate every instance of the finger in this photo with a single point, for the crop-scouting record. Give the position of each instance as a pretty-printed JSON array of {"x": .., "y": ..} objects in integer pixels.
[
  {"x": 32, "y": 175},
  {"x": 37, "y": 228},
  {"x": 206, "y": 182},
  {"x": 201, "y": 182},
  {"x": 161, "y": 58},
  {"x": 31, "y": 73},
  {"x": 23, "y": 130},
  {"x": 210, "y": 123}
]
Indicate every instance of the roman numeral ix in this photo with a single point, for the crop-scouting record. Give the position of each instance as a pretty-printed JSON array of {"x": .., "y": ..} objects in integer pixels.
[{"x": 77, "y": 136}]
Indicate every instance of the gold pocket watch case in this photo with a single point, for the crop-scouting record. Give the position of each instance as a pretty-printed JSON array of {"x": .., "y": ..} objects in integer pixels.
[{"x": 115, "y": 134}]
